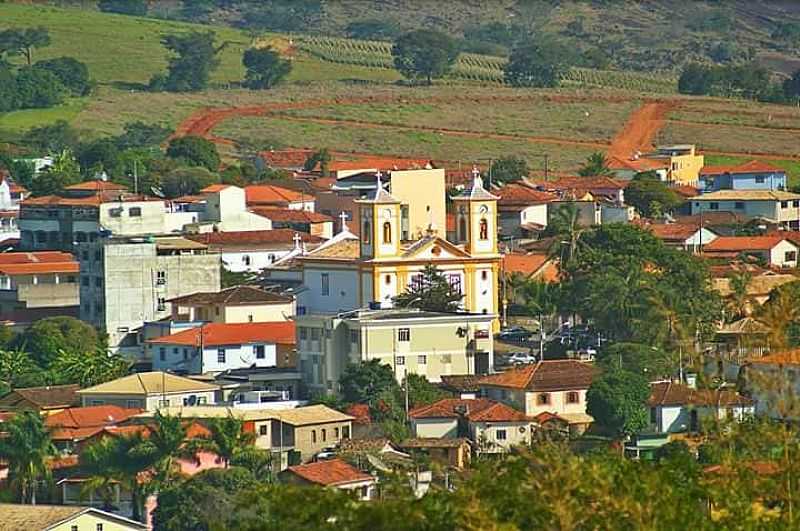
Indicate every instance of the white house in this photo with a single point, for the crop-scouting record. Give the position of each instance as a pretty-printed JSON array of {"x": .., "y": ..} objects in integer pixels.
[
  {"x": 775, "y": 206},
  {"x": 226, "y": 211},
  {"x": 149, "y": 391},
  {"x": 217, "y": 347},
  {"x": 686, "y": 236},
  {"x": 774, "y": 249},
  {"x": 675, "y": 407},
  {"x": 522, "y": 209}
]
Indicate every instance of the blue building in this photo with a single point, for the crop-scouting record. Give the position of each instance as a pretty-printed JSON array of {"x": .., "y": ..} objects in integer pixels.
[{"x": 753, "y": 175}]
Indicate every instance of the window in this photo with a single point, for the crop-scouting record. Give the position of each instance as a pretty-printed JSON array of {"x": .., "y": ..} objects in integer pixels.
[
  {"x": 315, "y": 334},
  {"x": 483, "y": 234},
  {"x": 246, "y": 260},
  {"x": 85, "y": 256},
  {"x": 387, "y": 232},
  {"x": 446, "y": 358},
  {"x": 365, "y": 232},
  {"x": 401, "y": 360},
  {"x": 387, "y": 279},
  {"x": 500, "y": 435},
  {"x": 161, "y": 277},
  {"x": 313, "y": 436},
  {"x": 336, "y": 432},
  {"x": 542, "y": 399},
  {"x": 573, "y": 397},
  {"x": 260, "y": 355},
  {"x": 455, "y": 283},
  {"x": 796, "y": 204},
  {"x": 115, "y": 212},
  {"x": 85, "y": 281},
  {"x": 326, "y": 284},
  {"x": 324, "y": 435},
  {"x": 354, "y": 336},
  {"x": 132, "y": 404},
  {"x": 303, "y": 333},
  {"x": 74, "y": 528},
  {"x": 484, "y": 275},
  {"x": 162, "y": 304},
  {"x": 422, "y": 359},
  {"x": 784, "y": 204},
  {"x": 739, "y": 205},
  {"x": 250, "y": 318},
  {"x": 653, "y": 416},
  {"x": 98, "y": 282},
  {"x": 96, "y": 402},
  {"x": 185, "y": 354},
  {"x": 404, "y": 334},
  {"x": 345, "y": 432},
  {"x": 99, "y": 527},
  {"x": 760, "y": 179},
  {"x": 462, "y": 228},
  {"x": 163, "y": 403},
  {"x": 162, "y": 353},
  {"x": 790, "y": 256},
  {"x": 220, "y": 355},
  {"x": 713, "y": 206},
  {"x": 135, "y": 212}
]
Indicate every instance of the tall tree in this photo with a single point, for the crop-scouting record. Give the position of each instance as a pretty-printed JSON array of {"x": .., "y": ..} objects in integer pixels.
[
  {"x": 617, "y": 400},
  {"x": 509, "y": 169},
  {"x": 431, "y": 292},
  {"x": 17, "y": 369},
  {"x": 361, "y": 383},
  {"x": 73, "y": 74},
  {"x": 88, "y": 368},
  {"x": 424, "y": 54},
  {"x": 265, "y": 68},
  {"x": 165, "y": 444},
  {"x": 48, "y": 337},
  {"x": 37, "y": 88},
  {"x": 23, "y": 41},
  {"x": 26, "y": 448},
  {"x": 596, "y": 166},
  {"x": 228, "y": 439},
  {"x": 194, "y": 151},
  {"x": 64, "y": 172},
  {"x": 650, "y": 196},
  {"x": 194, "y": 59},
  {"x": 540, "y": 63}
]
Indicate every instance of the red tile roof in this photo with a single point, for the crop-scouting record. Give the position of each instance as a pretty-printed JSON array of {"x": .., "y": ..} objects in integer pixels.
[
  {"x": 28, "y": 263},
  {"x": 92, "y": 200},
  {"x": 360, "y": 412},
  {"x": 516, "y": 194},
  {"x": 266, "y": 194},
  {"x": 286, "y": 158},
  {"x": 531, "y": 264},
  {"x": 583, "y": 183},
  {"x": 673, "y": 232},
  {"x": 92, "y": 416},
  {"x": 449, "y": 408},
  {"x": 235, "y": 295},
  {"x": 97, "y": 185},
  {"x": 214, "y": 188},
  {"x": 218, "y": 334},
  {"x": 253, "y": 237},
  {"x": 637, "y": 165},
  {"x": 544, "y": 376},
  {"x": 676, "y": 394},
  {"x": 330, "y": 473},
  {"x": 47, "y": 397},
  {"x": 290, "y": 215},
  {"x": 753, "y": 166},
  {"x": 744, "y": 243},
  {"x": 685, "y": 191},
  {"x": 497, "y": 413}
]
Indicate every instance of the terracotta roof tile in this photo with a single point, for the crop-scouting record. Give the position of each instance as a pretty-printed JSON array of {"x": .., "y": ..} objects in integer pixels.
[
  {"x": 360, "y": 412},
  {"x": 461, "y": 383},
  {"x": 342, "y": 250},
  {"x": 744, "y": 243},
  {"x": 290, "y": 215},
  {"x": 253, "y": 237},
  {"x": 673, "y": 232},
  {"x": 286, "y": 158},
  {"x": 233, "y": 296},
  {"x": 47, "y": 397},
  {"x": 753, "y": 166},
  {"x": 97, "y": 185},
  {"x": 261, "y": 194},
  {"x": 218, "y": 334},
  {"x": 637, "y": 165},
  {"x": 676, "y": 394},
  {"x": 516, "y": 194},
  {"x": 526, "y": 264},
  {"x": 214, "y": 188},
  {"x": 590, "y": 184},
  {"x": 497, "y": 413},
  {"x": 91, "y": 416},
  {"x": 377, "y": 163},
  {"x": 549, "y": 375},
  {"x": 450, "y": 407},
  {"x": 330, "y": 473}
]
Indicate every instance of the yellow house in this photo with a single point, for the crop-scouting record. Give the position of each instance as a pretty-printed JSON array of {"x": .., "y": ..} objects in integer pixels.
[
  {"x": 683, "y": 162},
  {"x": 350, "y": 272},
  {"x": 18, "y": 517}
]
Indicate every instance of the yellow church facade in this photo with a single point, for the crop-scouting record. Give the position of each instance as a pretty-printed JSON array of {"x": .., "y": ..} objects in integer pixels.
[{"x": 349, "y": 272}]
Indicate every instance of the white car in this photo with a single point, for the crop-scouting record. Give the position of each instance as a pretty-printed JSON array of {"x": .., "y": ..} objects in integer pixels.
[{"x": 521, "y": 358}]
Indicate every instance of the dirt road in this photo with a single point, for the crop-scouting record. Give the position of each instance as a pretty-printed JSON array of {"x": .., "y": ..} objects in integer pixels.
[{"x": 639, "y": 131}]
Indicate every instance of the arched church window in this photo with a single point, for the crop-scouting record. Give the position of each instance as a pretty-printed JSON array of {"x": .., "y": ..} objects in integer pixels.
[
  {"x": 462, "y": 228},
  {"x": 365, "y": 232},
  {"x": 387, "y": 232},
  {"x": 484, "y": 230}
]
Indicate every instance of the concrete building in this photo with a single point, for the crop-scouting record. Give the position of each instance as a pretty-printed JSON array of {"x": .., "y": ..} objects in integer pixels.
[
  {"x": 420, "y": 195},
  {"x": 773, "y": 249},
  {"x": 226, "y": 211},
  {"x": 45, "y": 279},
  {"x": 218, "y": 347},
  {"x": 410, "y": 341},
  {"x": 522, "y": 210},
  {"x": 239, "y": 304},
  {"x": 252, "y": 251},
  {"x": 677, "y": 408},
  {"x": 684, "y": 163},
  {"x": 150, "y": 391},
  {"x": 126, "y": 282},
  {"x": 778, "y": 207}
]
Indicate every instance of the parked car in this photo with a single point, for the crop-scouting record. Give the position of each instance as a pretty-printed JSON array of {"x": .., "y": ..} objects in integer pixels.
[
  {"x": 514, "y": 334},
  {"x": 521, "y": 358}
]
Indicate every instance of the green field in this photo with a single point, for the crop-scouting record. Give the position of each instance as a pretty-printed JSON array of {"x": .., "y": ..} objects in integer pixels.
[
  {"x": 730, "y": 138},
  {"x": 738, "y": 112}
]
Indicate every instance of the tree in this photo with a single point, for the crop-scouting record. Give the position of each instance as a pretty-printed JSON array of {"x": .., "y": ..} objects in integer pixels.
[
  {"x": 541, "y": 63},
  {"x": 422, "y": 392},
  {"x": 638, "y": 358},
  {"x": 194, "y": 151},
  {"x": 228, "y": 439},
  {"x": 696, "y": 79},
  {"x": 202, "y": 499},
  {"x": 194, "y": 58},
  {"x": 100, "y": 156},
  {"x": 565, "y": 226},
  {"x": 26, "y": 449},
  {"x": 124, "y": 7},
  {"x": 37, "y": 88},
  {"x": 63, "y": 172},
  {"x": 431, "y": 292},
  {"x": 617, "y": 400},
  {"x": 139, "y": 134},
  {"x": 23, "y": 41},
  {"x": 372, "y": 30},
  {"x": 17, "y": 369},
  {"x": 53, "y": 138},
  {"x": 791, "y": 87},
  {"x": 321, "y": 157},
  {"x": 596, "y": 166},
  {"x": 8, "y": 89},
  {"x": 362, "y": 383},
  {"x": 186, "y": 181},
  {"x": 424, "y": 54},
  {"x": 650, "y": 196},
  {"x": 509, "y": 169},
  {"x": 88, "y": 368},
  {"x": 265, "y": 68},
  {"x": 73, "y": 74},
  {"x": 165, "y": 444},
  {"x": 48, "y": 337}
]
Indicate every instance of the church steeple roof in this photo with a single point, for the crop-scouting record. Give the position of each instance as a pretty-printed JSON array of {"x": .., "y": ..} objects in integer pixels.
[
  {"x": 381, "y": 196},
  {"x": 477, "y": 192}
]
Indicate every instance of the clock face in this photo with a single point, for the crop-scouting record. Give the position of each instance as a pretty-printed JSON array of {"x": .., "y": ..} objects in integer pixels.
[
  {"x": 483, "y": 209},
  {"x": 387, "y": 213}
]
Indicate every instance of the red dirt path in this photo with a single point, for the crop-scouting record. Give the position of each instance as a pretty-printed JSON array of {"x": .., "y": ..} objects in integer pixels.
[{"x": 641, "y": 128}]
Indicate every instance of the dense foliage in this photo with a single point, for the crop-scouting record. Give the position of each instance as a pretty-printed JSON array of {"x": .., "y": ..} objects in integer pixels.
[
  {"x": 265, "y": 68},
  {"x": 650, "y": 196},
  {"x": 194, "y": 151},
  {"x": 424, "y": 54},
  {"x": 508, "y": 169},
  {"x": 538, "y": 63},
  {"x": 194, "y": 58},
  {"x": 431, "y": 292},
  {"x": 747, "y": 80}
]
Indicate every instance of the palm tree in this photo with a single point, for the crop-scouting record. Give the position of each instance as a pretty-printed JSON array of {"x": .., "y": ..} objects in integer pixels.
[
  {"x": 739, "y": 301},
  {"x": 596, "y": 166},
  {"x": 90, "y": 368},
  {"x": 567, "y": 230},
  {"x": 102, "y": 462},
  {"x": 228, "y": 439},
  {"x": 27, "y": 448},
  {"x": 165, "y": 444},
  {"x": 16, "y": 367}
]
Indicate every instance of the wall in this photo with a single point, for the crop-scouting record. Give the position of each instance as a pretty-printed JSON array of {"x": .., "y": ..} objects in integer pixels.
[
  {"x": 342, "y": 294},
  {"x": 237, "y": 261},
  {"x": 424, "y": 193},
  {"x": 558, "y": 403},
  {"x": 151, "y": 221},
  {"x": 672, "y": 419},
  {"x": 746, "y": 181},
  {"x": 262, "y": 313},
  {"x": 485, "y": 435},
  {"x": 305, "y": 437},
  {"x": 435, "y": 428},
  {"x": 685, "y": 169},
  {"x": 178, "y": 357},
  {"x": 777, "y": 255},
  {"x": 46, "y": 295},
  {"x": 767, "y": 209},
  {"x": 89, "y": 522}
]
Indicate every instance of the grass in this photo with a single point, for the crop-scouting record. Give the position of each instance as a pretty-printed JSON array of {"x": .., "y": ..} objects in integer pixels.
[
  {"x": 403, "y": 143},
  {"x": 730, "y": 138},
  {"x": 738, "y": 113},
  {"x": 792, "y": 167}
]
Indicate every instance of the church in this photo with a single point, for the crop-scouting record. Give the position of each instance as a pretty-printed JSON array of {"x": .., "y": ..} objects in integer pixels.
[{"x": 368, "y": 271}]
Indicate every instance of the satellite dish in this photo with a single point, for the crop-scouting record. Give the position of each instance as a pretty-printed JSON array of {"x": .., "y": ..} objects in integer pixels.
[{"x": 157, "y": 191}]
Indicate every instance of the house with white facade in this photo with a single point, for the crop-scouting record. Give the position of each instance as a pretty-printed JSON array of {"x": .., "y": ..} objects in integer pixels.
[
  {"x": 149, "y": 391},
  {"x": 522, "y": 209},
  {"x": 773, "y": 249},
  {"x": 772, "y": 206},
  {"x": 226, "y": 211},
  {"x": 685, "y": 236},
  {"x": 237, "y": 304},
  {"x": 552, "y": 386},
  {"x": 218, "y": 347},
  {"x": 676, "y": 407}
]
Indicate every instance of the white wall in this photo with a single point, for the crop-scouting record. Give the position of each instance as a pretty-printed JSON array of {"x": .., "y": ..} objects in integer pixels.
[
  {"x": 435, "y": 428},
  {"x": 485, "y": 435},
  {"x": 235, "y": 261},
  {"x": 236, "y": 357},
  {"x": 777, "y": 255},
  {"x": 558, "y": 403},
  {"x": 342, "y": 295},
  {"x": 672, "y": 419},
  {"x": 484, "y": 290}
]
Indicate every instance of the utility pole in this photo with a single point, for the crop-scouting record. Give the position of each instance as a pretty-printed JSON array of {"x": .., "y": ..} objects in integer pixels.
[
  {"x": 135, "y": 177},
  {"x": 541, "y": 338},
  {"x": 545, "y": 166}
]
